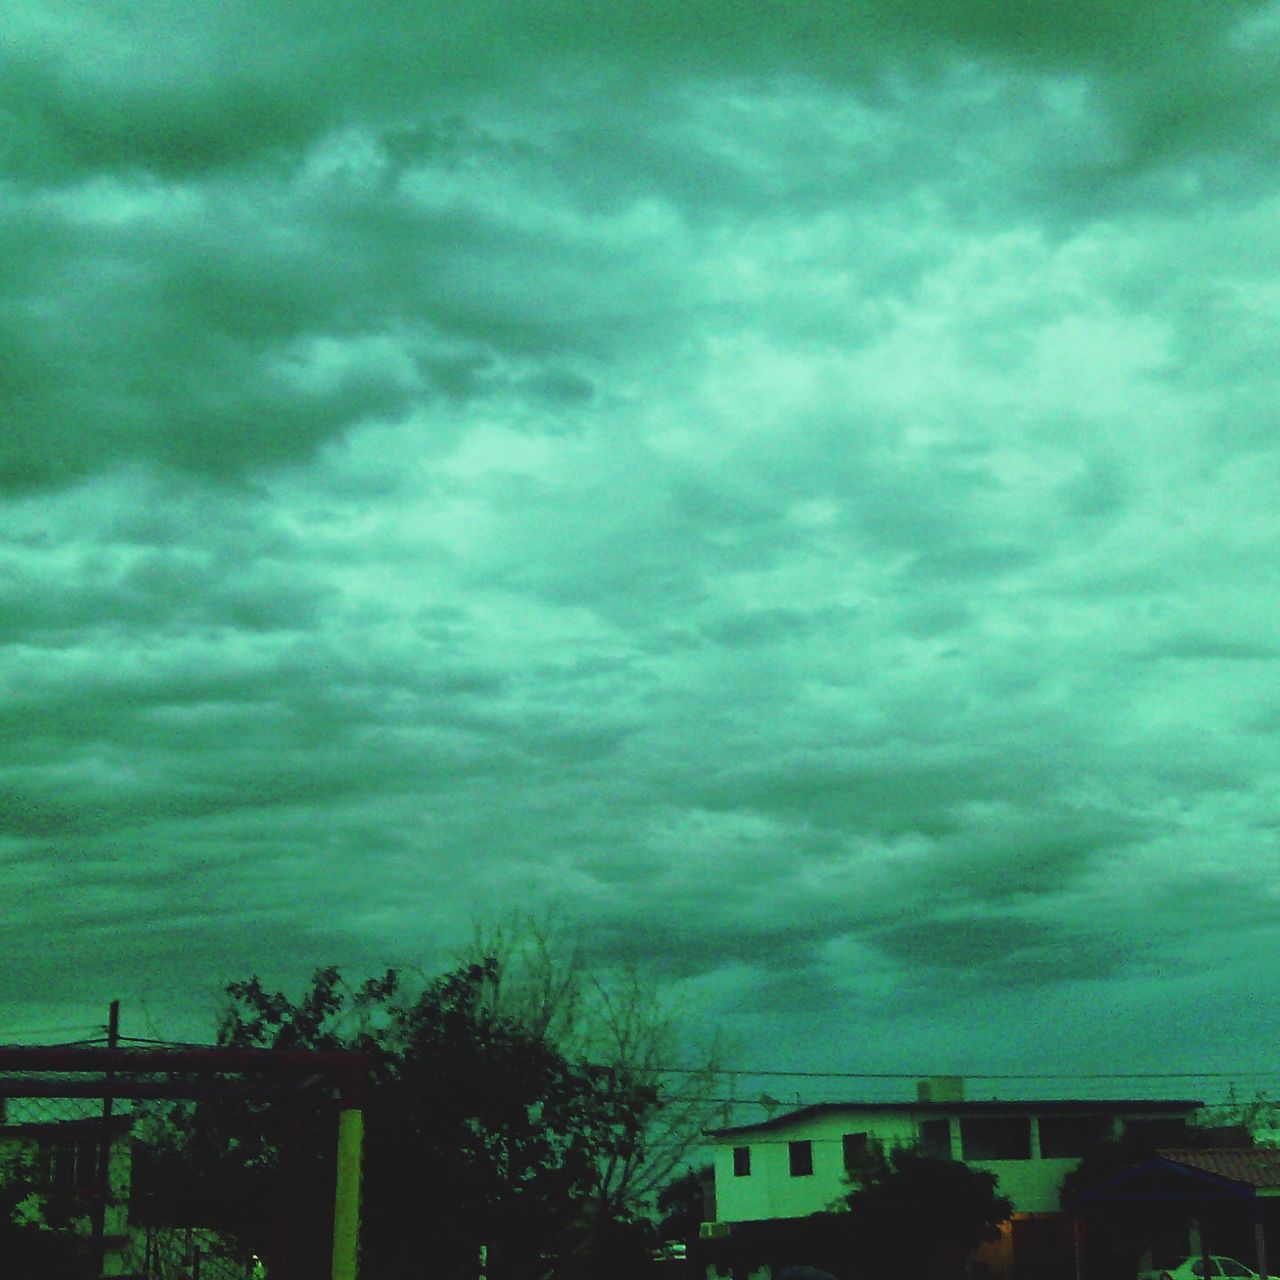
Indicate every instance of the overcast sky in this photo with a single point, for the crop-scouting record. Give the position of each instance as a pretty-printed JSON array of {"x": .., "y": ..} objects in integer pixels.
[{"x": 791, "y": 486}]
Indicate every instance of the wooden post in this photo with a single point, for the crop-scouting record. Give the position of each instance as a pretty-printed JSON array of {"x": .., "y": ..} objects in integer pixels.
[
  {"x": 286, "y": 1219},
  {"x": 102, "y": 1175},
  {"x": 346, "y": 1208},
  {"x": 1259, "y": 1238}
]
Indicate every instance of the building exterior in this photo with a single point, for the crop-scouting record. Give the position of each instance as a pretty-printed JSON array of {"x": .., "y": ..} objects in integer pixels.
[
  {"x": 1229, "y": 1199},
  {"x": 799, "y": 1163},
  {"x": 61, "y": 1161}
]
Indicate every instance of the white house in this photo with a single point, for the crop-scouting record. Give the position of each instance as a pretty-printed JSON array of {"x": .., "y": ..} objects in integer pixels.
[{"x": 796, "y": 1164}]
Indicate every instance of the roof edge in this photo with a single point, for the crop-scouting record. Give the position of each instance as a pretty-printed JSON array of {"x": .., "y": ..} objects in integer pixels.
[{"x": 976, "y": 1106}]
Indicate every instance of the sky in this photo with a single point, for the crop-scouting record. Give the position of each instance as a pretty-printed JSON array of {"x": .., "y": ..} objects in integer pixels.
[{"x": 790, "y": 489}]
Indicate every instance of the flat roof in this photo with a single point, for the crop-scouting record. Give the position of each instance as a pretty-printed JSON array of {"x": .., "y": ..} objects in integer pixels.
[{"x": 977, "y": 1106}]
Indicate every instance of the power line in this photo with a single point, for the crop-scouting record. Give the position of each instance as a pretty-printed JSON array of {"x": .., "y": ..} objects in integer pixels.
[
  {"x": 782, "y": 1104},
  {"x": 167, "y": 1044},
  {"x": 53, "y": 1031},
  {"x": 972, "y": 1075}
]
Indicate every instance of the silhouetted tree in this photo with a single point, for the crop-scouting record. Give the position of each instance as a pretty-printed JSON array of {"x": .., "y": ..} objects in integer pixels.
[
  {"x": 27, "y": 1244},
  {"x": 478, "y": 1132},
  {"x": 1117, "y": 1234},
  {"x": 910, "y": 1214},
  {"x": 681, "y": 1206}
]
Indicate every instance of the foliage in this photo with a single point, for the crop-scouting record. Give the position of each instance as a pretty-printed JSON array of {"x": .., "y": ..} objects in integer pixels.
[
  {"x": 544, "y": 983},
  {"x": 27, "y": 1245},
  {"x": 1139, "y": 1145},
  {"x": 478, "y": 1130},
  {"x": 911, "y": 1212},
  {"x": 1259, "y": 1113},
  {"x": 681, "y": 1206},
  {"x": 1117, "y": 1233},
  {"x": 960, "y": 1204}
]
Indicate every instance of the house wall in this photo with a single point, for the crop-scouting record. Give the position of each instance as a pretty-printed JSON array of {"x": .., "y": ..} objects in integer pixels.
[
  {"x": 1032, "y": 1185},
  {"x": 771, "y": 1191}
]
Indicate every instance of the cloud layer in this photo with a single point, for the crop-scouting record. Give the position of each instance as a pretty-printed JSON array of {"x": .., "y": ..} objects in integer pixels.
[{"x": 792, "y": 487}]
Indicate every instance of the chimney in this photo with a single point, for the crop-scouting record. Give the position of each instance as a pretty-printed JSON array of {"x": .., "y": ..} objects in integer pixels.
[{"x": 940, "y": 1089}]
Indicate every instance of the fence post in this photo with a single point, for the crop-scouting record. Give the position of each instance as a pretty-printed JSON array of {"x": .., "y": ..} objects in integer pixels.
[
  {"x": 102, "y": 1179},
  {"x": 346, "y": 1205},
  {"x": 286, "y": 1221}
]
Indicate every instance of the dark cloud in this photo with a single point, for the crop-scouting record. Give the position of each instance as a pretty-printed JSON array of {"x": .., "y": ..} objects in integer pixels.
[
  {"x": 1003, "y": 951},
  {"x": 877, "y": 796},
  {"x": 263, "y": 67},
  {"x": 791, "y": 486}
]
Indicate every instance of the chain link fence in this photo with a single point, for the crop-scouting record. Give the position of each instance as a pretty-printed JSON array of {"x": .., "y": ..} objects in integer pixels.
[{"x": 181, "y": 1170}]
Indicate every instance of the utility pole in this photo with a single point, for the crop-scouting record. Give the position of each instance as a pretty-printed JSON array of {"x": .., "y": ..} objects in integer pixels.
[{"x": 102, "y": 1179}]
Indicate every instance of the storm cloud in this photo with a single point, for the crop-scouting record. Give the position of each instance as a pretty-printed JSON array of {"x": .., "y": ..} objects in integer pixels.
[{"x": 792, "y": 488}]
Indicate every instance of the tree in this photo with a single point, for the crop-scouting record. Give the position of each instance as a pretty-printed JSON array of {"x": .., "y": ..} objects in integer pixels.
[
  {"x": 27, "y": 1244},
  {"x": 1259, "y": 1113},
  {"x": 1139, "y": 1144},
  {"x": 1117, "y": 1234},
  {"x": 480, "y": 1128},
  {"x": 544, "y": 984},
  {"x": 912, "y": 1213},
  {"x": 682, "y": 1205}
]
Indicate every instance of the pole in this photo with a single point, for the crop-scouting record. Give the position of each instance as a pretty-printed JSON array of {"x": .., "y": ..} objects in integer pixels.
[
  {"x": 102, "y": 1174},
  {"x": 286, "y": 1224},
  {"x": 346, "y": 1206},
  {"x": 1204, "y": 1247},
  {"x": 1259, "y": 1238}
]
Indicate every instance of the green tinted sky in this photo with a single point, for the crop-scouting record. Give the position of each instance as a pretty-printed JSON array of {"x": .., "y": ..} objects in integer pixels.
[{"x": 792, "y": 486}]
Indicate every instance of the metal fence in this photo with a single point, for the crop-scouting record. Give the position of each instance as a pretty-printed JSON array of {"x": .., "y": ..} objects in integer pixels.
[{"x": 179, "y": 1164}]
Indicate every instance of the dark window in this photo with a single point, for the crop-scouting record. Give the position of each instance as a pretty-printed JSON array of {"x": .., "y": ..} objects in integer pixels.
[
  {"x": 1072, "y": 1135},
  {"x": 855, "y": 1150},
  {"x": 71, "y": 1164},
  {"x": 801, "y": 1154},
  {"x": 741, "y": 1162},
  {"x": 935, "y": 1139},
  {"x": 1232, "y": 1268},
  {"x": 1165, "y": 1132},
  {"x": 996, "y": 1137}
]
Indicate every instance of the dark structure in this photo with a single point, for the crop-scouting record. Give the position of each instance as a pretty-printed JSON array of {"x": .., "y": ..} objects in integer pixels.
[
  {"x": 97, "y": 1165},
  {"x": 1230, "y": 1196}
]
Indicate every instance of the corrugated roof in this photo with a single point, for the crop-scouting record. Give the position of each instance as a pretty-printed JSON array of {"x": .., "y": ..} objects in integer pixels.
[
  {"x": 1253, "y": 1166},
  {"x": 993, "y": 1106}
]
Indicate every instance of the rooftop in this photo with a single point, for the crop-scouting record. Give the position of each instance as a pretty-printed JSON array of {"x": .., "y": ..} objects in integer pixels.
[
  {"x": 1253, "y": 1166},
  {"x": 992, "y": 1106}
]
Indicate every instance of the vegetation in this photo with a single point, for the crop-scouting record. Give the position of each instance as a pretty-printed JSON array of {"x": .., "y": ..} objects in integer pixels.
[
  {"x": 492, "y": 1120},
  {"x": 876, "y": 1229},
  {"x": 1116, "y": 1235},
  {"x": 681, "y": 1206},
  {"x": 963, "y": 1206},
  {"x": 27, "y": 1244},
  {"x": 1109, "y": 1159}
]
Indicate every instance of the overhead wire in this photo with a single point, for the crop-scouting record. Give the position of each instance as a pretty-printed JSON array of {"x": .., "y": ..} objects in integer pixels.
[
  {"x": 969, "y": 1075},
  {"x": 50, "y": 1031}
]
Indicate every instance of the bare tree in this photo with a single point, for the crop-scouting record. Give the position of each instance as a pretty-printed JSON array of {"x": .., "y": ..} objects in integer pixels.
[{"x": 619, "y": 1019}]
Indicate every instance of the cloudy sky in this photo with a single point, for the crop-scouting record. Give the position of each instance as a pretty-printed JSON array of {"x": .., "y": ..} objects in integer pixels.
[{"x": 791, "y": 487}]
